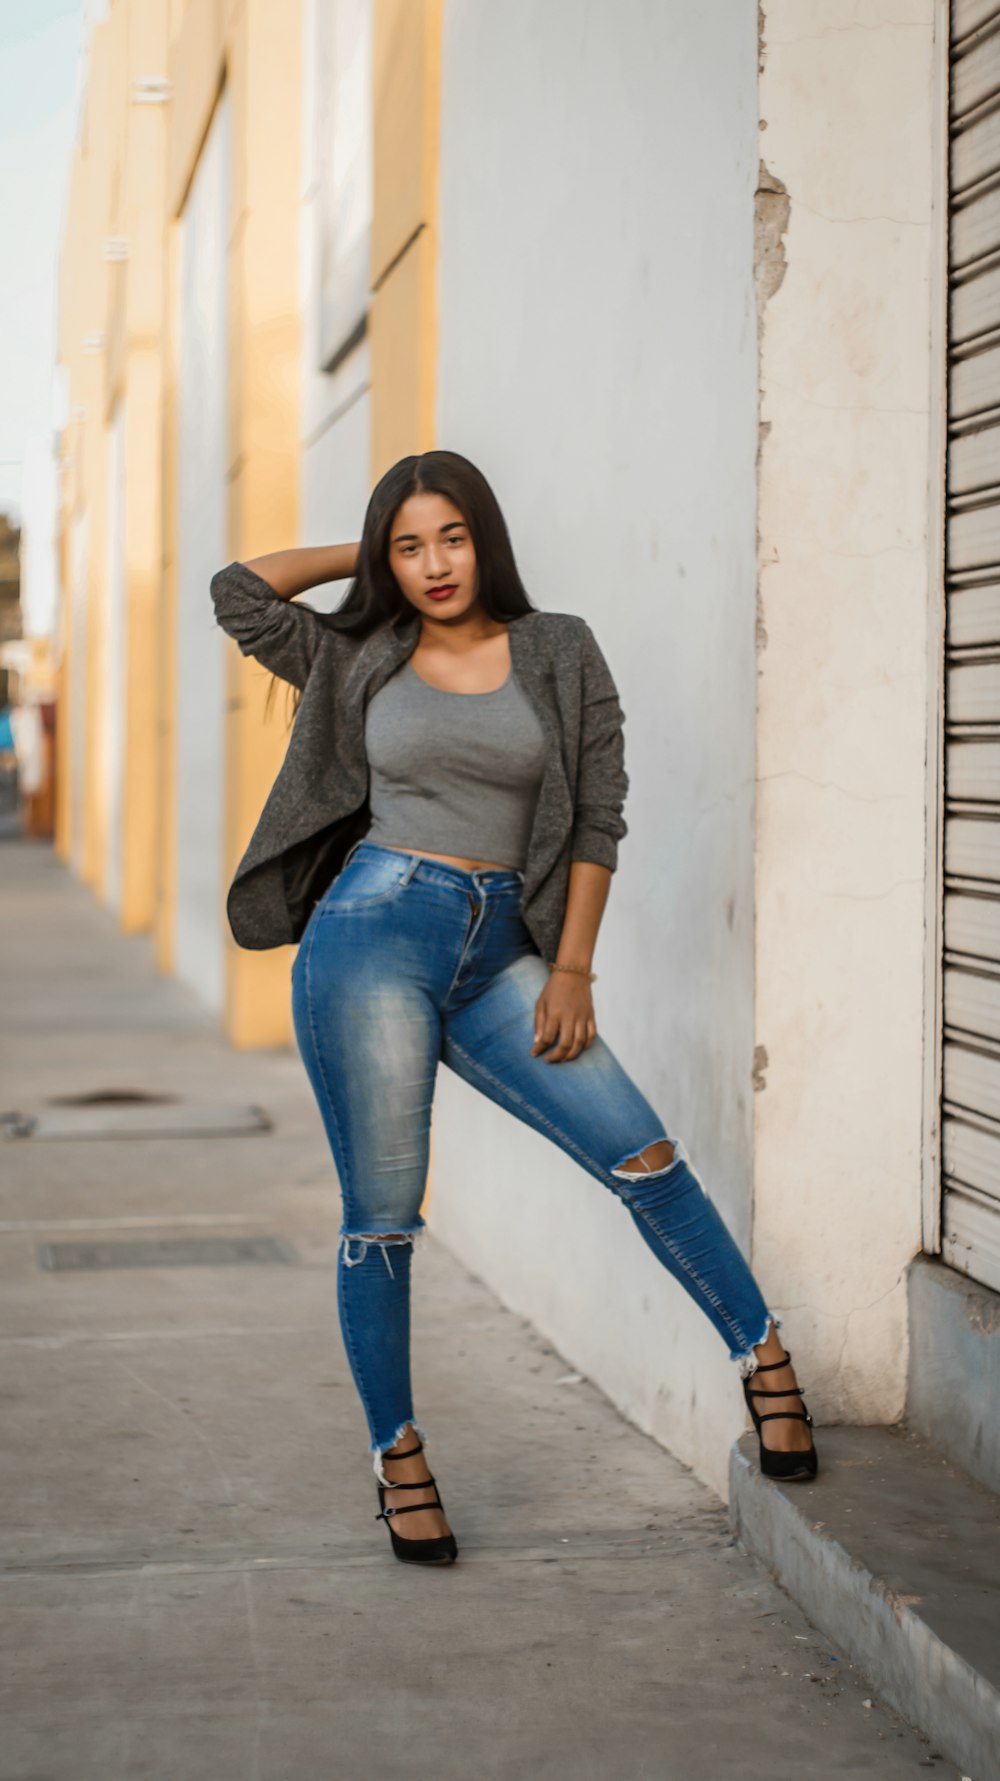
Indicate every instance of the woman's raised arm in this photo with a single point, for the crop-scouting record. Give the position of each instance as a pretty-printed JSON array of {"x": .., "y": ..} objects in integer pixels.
[
  {"x": 254, "y": 604},
  {"x": 291, "y": 572}
]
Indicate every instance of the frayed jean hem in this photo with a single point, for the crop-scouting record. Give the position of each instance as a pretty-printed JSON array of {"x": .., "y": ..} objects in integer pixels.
[
  {"x": 378, "y": 1448},
  {"x": 746, "y": 1360}
]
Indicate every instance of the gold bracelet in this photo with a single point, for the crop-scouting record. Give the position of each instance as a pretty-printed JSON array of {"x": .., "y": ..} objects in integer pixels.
[{"x": 591, "y": 976}]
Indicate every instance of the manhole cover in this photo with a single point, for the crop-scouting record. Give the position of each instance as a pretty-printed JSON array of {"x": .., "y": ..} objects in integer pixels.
[
  {"x": 108, "y": 1097},
  {"x": 166, "y": 1252},
  {"x": 136, "y": 1120}
]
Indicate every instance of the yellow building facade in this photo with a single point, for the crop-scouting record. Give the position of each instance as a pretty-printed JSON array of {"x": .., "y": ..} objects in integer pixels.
[{"x": 170, "y": 86}]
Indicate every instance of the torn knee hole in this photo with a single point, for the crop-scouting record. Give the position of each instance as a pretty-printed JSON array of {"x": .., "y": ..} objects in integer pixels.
[
  {"x": 385, "y": 1240},
  {"x": 653, "y": 1160}
]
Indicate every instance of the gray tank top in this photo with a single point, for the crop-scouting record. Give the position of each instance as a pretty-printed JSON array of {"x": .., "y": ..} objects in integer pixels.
[{"x": 453, "y": 773}]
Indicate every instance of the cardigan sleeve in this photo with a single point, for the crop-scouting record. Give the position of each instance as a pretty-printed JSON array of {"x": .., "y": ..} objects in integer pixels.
[
  {"x": 283, "y": 636},
  {"x": 602, "y": 782}
]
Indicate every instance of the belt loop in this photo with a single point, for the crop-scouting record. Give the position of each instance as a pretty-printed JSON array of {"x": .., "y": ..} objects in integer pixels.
[{"x": 415, "y": 860}]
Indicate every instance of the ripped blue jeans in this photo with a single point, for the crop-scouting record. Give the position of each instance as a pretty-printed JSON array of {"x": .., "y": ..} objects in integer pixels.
[{"x": 406, "y": 963}]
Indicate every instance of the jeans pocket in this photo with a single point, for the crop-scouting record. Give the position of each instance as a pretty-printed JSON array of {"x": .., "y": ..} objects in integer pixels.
[{"x": 366, "y": 881}]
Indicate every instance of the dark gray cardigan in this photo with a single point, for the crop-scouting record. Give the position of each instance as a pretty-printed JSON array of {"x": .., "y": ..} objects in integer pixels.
[{"x": 318, "y": 805}]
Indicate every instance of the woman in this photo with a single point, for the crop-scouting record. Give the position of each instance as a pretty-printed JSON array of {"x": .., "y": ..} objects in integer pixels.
[{"x": 441, "y": 841}]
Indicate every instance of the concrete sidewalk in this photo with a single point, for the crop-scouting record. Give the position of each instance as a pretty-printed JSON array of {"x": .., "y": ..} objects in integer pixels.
[{"x": 193, "y": 1585}]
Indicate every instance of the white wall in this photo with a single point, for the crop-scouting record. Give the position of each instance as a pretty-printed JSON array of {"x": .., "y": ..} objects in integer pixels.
[
  {"x": 851, "y": 358},
  {"x": 39, "y": 575},
  {"x": 335, "y": 446},
  {"x": 202, "y": 546},
  {"x": 598, "y": 359}
]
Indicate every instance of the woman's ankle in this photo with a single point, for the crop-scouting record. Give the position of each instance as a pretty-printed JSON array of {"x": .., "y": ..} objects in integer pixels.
[
  {"x": 409, "y": 1438},
  {"x": 772, "y": 1348}
]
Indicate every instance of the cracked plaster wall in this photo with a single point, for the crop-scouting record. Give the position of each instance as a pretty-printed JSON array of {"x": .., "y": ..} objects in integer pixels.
[{"x": 844, "y": 242}]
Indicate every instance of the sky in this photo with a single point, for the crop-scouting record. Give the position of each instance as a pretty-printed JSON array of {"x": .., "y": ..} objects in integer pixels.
[{"x": 40, "y": 42}]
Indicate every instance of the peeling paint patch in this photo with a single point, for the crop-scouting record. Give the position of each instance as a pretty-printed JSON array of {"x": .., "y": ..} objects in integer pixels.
[
  {"x": 760, "y": 628},
  {"x": 772, "y": 208},
  {"x": 759, "y": 1066}
]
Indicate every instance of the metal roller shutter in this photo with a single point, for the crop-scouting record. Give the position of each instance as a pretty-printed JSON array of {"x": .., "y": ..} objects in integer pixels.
[{"x": 970, "y": 1221}]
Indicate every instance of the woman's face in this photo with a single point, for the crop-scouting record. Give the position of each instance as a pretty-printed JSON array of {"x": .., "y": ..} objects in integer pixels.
[{"x": 431, "y": 553}]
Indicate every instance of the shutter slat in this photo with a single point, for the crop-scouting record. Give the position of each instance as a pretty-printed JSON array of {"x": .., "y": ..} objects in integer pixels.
[
  {"x": 975, "y": 153},
  {"x": 974, "y": 539},
  {"x": 975, "y": 230},
  {"x": 974, "y": 693},
  {"x": 972, "y": 925},
  {"x": 972, "y": 771},
  {"x": 968, "y": 15},
  {"x": 972, "y": 848},
  {"x": 972, "y": 1157},
  {"x": 972, "y": 1002},
  {"x": 975, "y": 76},
  {"x": 974, "y": 461},
  {"x": 972, "y": 1079},
  {"x": 974, "y": 307},
  {"x": 974, "y": 615},
  {"x": 970, "y": 1237},
  {"x": 975, "y": 385}
]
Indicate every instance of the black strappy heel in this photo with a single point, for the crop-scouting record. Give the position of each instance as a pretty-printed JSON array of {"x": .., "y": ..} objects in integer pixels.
[
  {"x": 773, "y": 1464},
  {"x": 440, "y": 1551}
]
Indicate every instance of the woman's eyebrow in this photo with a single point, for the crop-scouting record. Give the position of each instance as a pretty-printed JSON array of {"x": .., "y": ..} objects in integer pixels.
[{"x": 406, "y": 537}]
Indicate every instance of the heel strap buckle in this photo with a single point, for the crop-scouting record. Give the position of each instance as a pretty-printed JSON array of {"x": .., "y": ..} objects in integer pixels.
[{"x": 410, "y": 1509}]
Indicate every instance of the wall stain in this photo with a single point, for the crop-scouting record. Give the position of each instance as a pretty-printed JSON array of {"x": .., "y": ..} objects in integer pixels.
[{"x": 759, "y": 1066}]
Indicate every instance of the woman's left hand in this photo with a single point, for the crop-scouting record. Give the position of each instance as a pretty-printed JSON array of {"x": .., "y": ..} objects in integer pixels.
[{"x": 564, "y": 1017}]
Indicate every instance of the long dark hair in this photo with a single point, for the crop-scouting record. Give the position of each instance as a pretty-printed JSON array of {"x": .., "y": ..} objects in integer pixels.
[{"x": 375, "y": 597}]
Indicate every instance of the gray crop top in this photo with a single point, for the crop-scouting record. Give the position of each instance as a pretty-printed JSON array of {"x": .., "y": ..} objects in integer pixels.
[{"x": 453, "y": 773}]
